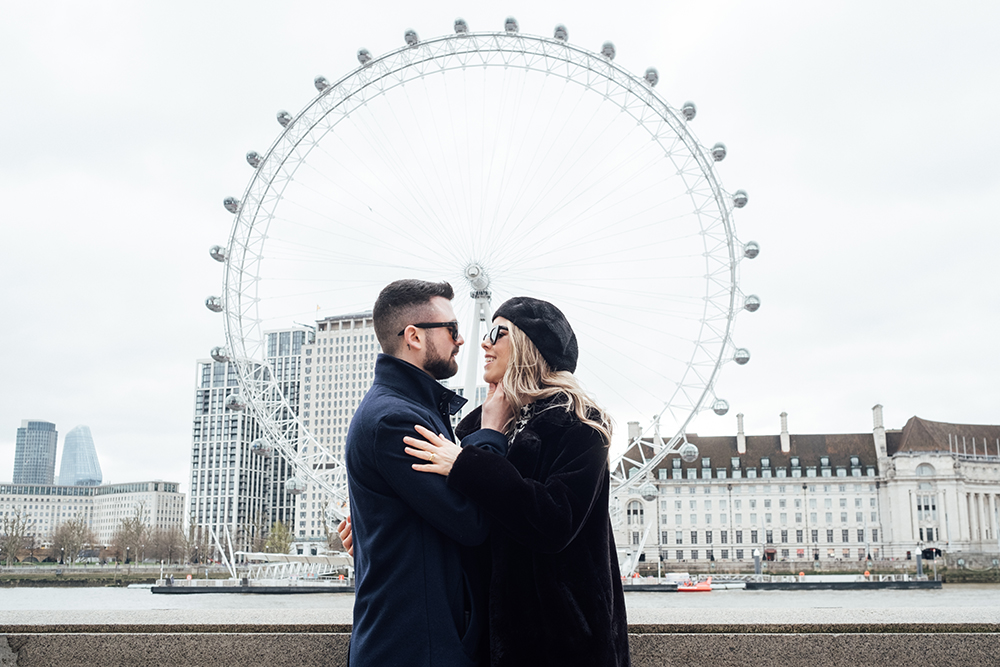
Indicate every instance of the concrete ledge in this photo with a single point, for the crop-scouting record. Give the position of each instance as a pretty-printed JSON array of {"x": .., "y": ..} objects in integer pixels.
[{"x": 807, "y": 637}]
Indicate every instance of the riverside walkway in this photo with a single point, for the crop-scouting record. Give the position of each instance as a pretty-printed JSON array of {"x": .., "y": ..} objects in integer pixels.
[{"x": 659, "y": 637}]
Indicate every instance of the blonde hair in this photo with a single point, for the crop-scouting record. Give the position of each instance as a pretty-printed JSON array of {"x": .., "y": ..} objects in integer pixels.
[{"x": 529, "y": 378}]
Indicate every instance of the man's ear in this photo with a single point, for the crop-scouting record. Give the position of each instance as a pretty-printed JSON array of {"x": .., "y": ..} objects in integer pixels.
[{"x": 412, "y": 338}]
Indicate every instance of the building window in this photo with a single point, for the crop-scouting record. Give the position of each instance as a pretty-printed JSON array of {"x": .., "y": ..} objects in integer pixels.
[
  {"x": 680, "y": 555},
  {"x": 784, "y": 537},
  {"x": 694, "y": 538},
  {"x": 874, "y": 535},
  {"x": 861, "y": 535},
  {"x": 708, "y": 537},
  {"x": 753, "y": 537},
  {"x": 829, "y": 536},
  {"x": 739, "y": 537},
  {"x": 725, "y": 554},
  {"x": 634, "y": 513},
  {"x": 694, "y": 554},
  {"x": 845, "y": 536},
  {"x": 724, "y": 536},
  {"x": 739, "y": 554}
]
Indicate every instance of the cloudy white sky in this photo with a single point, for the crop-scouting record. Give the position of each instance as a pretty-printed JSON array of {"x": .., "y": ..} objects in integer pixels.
[{"x": 865, "y": 133}]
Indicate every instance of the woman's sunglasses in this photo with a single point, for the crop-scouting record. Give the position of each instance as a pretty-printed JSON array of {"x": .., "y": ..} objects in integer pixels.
[{"x": 496, "y": 333}]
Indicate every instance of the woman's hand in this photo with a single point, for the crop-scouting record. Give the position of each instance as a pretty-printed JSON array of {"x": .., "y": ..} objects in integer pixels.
[
  {"x": 439, "y": 452},
  {"x": 496, "y": 409},
  {"x": 346, "y": 535}
]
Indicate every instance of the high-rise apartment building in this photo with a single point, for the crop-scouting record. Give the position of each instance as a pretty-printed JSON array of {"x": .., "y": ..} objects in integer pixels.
[
  {"x": 338, "y": 369},
  {"x": 233, "y": 486},
  {"x": 79, "y": 465},
  {"x": 35, "y": 452}
]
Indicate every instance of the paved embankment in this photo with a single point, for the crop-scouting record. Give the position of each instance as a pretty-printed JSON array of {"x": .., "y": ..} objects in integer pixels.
[{"x": 808, "y": 637}]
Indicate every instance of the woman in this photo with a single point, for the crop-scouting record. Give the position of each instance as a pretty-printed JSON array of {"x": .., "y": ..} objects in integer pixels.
[{"x": 555, "y": 589}]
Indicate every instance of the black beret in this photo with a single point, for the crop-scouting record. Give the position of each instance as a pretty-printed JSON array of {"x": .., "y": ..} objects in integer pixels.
[{"x": 546, "y": 327}]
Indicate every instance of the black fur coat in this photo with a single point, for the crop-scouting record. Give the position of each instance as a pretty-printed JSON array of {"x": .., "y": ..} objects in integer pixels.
[{"x": 555, "y": 590}]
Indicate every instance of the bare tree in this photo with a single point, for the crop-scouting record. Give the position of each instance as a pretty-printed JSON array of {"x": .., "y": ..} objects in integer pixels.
[
  {"x": 132, "y": 533},
  {"x": 279, "y": 539},
  {"x": 166, "y": 544},
  {"x": 71, "y": 537},
  {"x": 13, "y": 535},
  {"x": 196, "y": 545}
]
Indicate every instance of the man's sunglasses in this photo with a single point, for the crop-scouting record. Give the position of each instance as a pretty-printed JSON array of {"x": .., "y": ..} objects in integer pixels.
[
  {"x": 496, "y": 333},
  {"x": 452, "y": 328}
]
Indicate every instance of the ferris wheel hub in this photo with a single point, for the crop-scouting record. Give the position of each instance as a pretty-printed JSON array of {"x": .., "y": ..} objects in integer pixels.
[{"x": 478, "y": 279}]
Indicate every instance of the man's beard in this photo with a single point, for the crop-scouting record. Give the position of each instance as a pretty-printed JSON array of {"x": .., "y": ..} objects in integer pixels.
[{"x": 440, "y": 367}]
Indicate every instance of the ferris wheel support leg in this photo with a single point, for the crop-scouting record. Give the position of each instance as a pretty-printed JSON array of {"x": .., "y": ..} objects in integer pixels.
[{"x": 482, "y": 312}]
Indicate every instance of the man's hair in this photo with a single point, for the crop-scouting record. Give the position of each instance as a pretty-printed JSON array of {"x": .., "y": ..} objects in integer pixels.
[{"x": 402, "y": 303}]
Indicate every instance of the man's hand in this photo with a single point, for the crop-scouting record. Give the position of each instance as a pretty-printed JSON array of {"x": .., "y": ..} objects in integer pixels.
[
  {"x": 344, "y": 530},
  {"x": 496, "y": 409}
]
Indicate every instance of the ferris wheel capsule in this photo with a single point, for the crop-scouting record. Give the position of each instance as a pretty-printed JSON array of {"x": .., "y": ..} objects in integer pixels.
[
  {"x": 220, "y": 354},
  {"x": 688, "y": 452},
  {"x": 561, "y": 33},
  {"x": 294, "y": 485},
  {"x": 720, "y": 407},
  {"x": 690, "y": 110},
  {"x": 751, "y": 303},
  {"x": 461, "y": 27},
  {"x": 648, "y": 492},
  {"x": 218, "y": 253},
  {"x": 719, "y": 152},
  {"x": 741, "y": 356},
  {"x": 608, "y": 50},
  {"x": 411, "y": 38},
  {"x": 235, "y": 402},
  {"x": 751, "y": 249},
  {"x": 510, "y": 25},
  {"x": 740, "y": 198},
  {"x": 260, "y": 447},
  {"x": 284, "y": 118},
  {"x": 232, "y": 204},
  {"x": 321, "y": 83},
  {"x": 214, "y": 304},
  {"x": 652, "y": 76},
  {"x": 253, "y": 159},
  {"x": 364, "y": 56}
]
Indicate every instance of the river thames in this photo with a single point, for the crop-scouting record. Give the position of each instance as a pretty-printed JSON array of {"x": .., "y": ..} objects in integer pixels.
[{"x": 125, "y": 599}]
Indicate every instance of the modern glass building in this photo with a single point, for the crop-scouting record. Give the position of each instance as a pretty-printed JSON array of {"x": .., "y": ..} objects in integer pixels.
[
  {"x": 79, "y": 465},
  {"x": 35, "y": 452}
]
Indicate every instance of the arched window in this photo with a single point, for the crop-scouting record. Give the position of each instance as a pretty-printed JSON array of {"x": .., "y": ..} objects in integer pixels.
[
  {"x": 926, "y": 470},
  {"x": 634, "y": 513}
]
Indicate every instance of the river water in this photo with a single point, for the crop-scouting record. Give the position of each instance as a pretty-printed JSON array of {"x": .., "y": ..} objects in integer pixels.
[{"x": 106, "y": 599}]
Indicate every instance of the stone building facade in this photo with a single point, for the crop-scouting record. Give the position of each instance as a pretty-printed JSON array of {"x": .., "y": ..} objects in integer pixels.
[{"x": 888, "y": 494}]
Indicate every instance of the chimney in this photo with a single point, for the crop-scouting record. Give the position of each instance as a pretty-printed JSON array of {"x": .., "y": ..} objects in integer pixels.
[
  {"x": 741, "y": 439},
  {"x": 879, "y": 434},
  {"x": 786, "y": 442},
  {"x": 634, "y": 432}
]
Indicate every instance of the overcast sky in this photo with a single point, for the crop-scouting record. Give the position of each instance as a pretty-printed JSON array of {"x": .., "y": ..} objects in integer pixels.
[{"x": 866, "y": 134}]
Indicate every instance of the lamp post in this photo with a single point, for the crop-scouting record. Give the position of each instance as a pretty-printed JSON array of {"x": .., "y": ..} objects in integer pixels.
[{"x": 62, "y": 555}]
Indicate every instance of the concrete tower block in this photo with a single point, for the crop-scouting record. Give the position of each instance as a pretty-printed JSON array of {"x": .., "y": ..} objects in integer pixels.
[
  {"x": 741, "y": 439},
  {"x": 786, "y": 441}
]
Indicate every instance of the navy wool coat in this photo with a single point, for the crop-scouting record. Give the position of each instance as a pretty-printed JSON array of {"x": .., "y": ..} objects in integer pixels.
[
  {"x": 555, "y": 590},
  {"x": 420, "y": 597}
]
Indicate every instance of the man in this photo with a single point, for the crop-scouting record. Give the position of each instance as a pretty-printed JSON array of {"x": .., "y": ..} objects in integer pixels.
[{"x": 420, "y": 597}]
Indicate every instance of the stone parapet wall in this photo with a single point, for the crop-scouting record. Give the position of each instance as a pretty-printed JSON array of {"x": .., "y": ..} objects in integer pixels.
[{"x": 806, "y": 637}]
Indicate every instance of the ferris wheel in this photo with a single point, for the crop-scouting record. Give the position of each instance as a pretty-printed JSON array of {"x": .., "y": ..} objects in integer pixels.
[{"x": 508, "y": 164}]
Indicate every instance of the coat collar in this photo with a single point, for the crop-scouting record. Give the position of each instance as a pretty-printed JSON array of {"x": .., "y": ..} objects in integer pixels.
[{"x": 406, "y": 378}]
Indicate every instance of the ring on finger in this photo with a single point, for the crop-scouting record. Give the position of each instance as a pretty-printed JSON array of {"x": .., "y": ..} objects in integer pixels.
[{"x": 431, "y": 459}]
